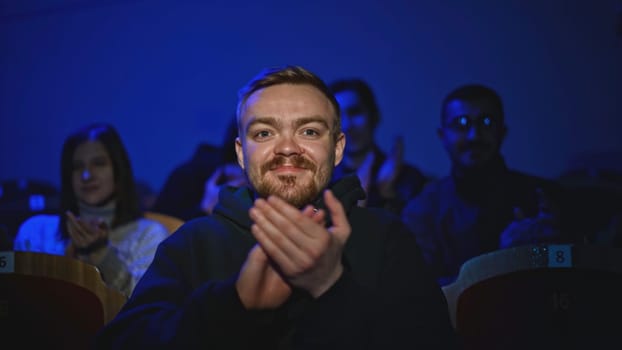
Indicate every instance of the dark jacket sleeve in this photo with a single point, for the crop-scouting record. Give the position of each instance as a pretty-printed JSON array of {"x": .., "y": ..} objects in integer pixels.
[{"x": 167, "y": 312}]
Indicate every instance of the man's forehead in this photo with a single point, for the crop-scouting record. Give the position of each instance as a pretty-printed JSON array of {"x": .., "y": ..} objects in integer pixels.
[
  {"x": 286, "y": 102},
  {"x": 288, "y": 93},
  {"x": 470, "y": 107}
]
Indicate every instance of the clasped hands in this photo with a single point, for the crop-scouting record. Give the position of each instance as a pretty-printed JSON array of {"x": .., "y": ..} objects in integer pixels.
[
  {"x": 88, "y": 237},
  {"x": 294, "y": 249}
]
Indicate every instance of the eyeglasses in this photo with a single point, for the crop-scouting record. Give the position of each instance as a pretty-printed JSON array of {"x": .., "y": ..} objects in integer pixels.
[{"x": 464, "y": 123}]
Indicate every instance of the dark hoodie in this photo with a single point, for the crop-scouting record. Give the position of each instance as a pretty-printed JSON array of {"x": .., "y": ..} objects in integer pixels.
[
  {"x": 464, "y": 214},
  {"x": 385, "y": 298}
]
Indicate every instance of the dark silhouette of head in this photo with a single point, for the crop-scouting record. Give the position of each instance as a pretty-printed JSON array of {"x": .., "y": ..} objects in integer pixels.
[
  {"x": 360, "y": 114},
  {"x": 472, "y": 125}
]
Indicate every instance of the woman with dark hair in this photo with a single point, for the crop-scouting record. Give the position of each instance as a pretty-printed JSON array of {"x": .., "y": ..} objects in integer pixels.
[{"x": 100, "y": 221}]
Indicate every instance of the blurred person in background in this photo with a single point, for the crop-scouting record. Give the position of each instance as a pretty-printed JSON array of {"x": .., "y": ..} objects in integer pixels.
[{"x": 100, "y": 221}]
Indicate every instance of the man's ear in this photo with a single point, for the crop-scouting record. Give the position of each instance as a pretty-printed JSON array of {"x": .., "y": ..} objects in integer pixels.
[
  {"x": 340, "y": 145},
  {"x": 239, "y": 151}
]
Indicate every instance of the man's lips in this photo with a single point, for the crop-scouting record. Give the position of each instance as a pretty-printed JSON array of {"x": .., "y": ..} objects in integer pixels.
[
  {"x": 293, "y": 164},
  {"x": 287, "y": 168}
]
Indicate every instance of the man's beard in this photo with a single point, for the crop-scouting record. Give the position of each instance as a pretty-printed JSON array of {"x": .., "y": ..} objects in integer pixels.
[{"x": 288, "y": 187}]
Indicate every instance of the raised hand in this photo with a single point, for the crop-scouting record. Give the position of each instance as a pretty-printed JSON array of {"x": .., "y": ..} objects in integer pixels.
[
  {"x": 260, "y": 285},
  {"x": 390, "y": 169},
  {"x": 227, "y": 174},
  {"x": 307, "y": 254},
  {"x": 91, "y": 235}
]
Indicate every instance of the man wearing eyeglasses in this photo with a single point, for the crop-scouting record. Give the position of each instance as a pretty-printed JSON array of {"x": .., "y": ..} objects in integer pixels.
[{"x": 481, "y": 205}]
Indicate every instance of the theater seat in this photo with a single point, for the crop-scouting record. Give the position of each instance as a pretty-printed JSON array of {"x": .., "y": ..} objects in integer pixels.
[
  {"x": 50, "y": 301},
  {"x": 539, "y": 297},
  {"x": 171, "y": 223}
]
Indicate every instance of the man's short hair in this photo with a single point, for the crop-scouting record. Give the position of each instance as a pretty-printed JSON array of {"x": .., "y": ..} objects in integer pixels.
[
  {"x": 363, "y": 91},
  {"x": 474, "y": 92},
  {"x": 288, "y": 74}
]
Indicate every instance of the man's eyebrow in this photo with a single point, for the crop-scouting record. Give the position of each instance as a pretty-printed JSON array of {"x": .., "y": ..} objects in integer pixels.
[
  {"x": 308, "y": 120},
  {"x": 263, "y": 120},
  {"x": 274, "y": 122}
]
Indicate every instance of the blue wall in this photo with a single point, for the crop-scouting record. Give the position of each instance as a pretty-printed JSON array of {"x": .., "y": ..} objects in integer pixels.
[{"x": 166, "y": 72}]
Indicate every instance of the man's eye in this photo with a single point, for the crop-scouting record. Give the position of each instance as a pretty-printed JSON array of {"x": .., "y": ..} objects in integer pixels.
[
  {"x": 310, "y": 132},
  {"x": 486, "y": 121},
  {"x": 463, "y": 121},
  {"x": 262, "y": 134}
]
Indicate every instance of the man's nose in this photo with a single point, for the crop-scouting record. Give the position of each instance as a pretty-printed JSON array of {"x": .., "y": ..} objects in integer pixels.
[
  {"x": 474, "y": 132},
  {"x": 287, "y": 145}
]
